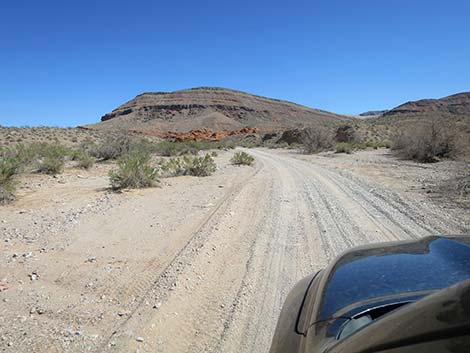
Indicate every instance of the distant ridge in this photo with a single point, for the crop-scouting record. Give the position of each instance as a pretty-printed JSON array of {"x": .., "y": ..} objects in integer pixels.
[
  {"x": 455, "y": 104},
  {"x": 211, "y": 108},
  {"x": 372, "y": 113}
]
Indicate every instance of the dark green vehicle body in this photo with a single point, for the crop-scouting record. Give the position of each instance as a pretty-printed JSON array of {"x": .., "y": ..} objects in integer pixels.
[{"x": 394, "y": 297}]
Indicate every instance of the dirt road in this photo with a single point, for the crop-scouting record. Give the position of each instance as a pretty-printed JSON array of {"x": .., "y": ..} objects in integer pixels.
[{"x": 203, "y": 268}]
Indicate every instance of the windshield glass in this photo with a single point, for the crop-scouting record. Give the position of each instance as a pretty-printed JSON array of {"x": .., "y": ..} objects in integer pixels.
[{"x": 433, "y": 264}]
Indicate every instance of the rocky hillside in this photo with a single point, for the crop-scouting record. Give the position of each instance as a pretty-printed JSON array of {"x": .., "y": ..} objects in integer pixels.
[
  {"x": 454, "y": 104},
  {"x": 373, "y": 113},
  {"x": 215, "y": 109}
]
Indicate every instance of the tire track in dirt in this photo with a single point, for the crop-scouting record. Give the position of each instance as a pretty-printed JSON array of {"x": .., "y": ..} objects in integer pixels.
[{"x": 341, "y": 217}]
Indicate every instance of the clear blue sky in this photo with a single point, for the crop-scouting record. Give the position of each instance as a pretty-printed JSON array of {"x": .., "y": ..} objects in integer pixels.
[{"x": 67, "y": 63}]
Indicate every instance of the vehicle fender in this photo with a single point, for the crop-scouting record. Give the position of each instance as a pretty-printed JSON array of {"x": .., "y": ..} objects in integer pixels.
[{"x": 286, "y": 338}]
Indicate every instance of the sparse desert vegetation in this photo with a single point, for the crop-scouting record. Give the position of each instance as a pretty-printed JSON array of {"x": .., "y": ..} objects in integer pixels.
[
  {"x": 133, "y": 155},
  {"x": 84, "y": 160},
  {"x": 317, "y": 139},
  {"x": 133, "y": 171},
  {"x": 8, "y": 170},
  {"x": 242, "y": 158},
  {"x": 189, "y": 165},
  {"x": 426, "y": 142}
]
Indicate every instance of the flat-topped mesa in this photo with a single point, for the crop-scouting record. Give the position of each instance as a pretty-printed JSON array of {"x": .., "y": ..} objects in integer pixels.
[{"x": 212, "y": 108}]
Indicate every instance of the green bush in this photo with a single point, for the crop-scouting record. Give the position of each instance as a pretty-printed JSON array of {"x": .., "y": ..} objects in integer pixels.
[
  {"x": 344, "y": 147},
  {"x": 133, "y": 172},
  {"x": 51, "y": 165},
  {"x": 189, "y": 165},
  {"x": 51, "y": 158},
  {"x": 111, "y": 148},
  {"x": 8, "y": 169},
  {"x": 24, "y": 156},
  {"x": 242, "y": 158},
  {"x": 84, "y": 160},
  {"x": 200, "y": 166},
  {"x": 173, "y": 167},
  {"x": 20, "y": 157}
]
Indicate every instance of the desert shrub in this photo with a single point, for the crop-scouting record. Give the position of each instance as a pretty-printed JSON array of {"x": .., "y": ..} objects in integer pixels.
[
  {"x": 133, "y": 171},
  {"x": 173, "y": 167},
  {"x": 171, "y": 148},
  {"x": 111, "y": 148},
  {"x": 51, "y": 158},
  {"x": 200, "y": 166},
  {"x": 316, "y": 139},
  {"x": 25, "y": 155},
  {"x": 346, "y": 133},
  {"x": 20, "y": 157},
  {"x": 90, "y": 147},
  {"x": 426, "y": 143},
  {"x": 384, "y": 143},
  {"x": 8, "y": 169},
  {"x": 242, "y": 158},
  {"x": 84, "y": 160},
  {"x": 189, "y": 165},
  {"x": 344, "y": 147},
  {"x": 50, "y": 165}
]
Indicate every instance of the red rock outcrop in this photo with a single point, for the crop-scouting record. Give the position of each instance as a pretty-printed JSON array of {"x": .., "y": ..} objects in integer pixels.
[{"x": 207, "y": 134}]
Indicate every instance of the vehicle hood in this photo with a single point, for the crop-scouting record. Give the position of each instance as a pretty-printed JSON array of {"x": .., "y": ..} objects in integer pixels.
[{"x": 385, "y": 270}]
